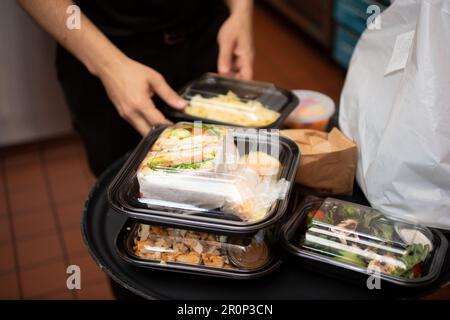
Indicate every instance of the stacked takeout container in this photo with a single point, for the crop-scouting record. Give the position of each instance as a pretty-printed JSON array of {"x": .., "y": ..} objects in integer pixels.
[
  {"x": 204, "y": 197},
  {"x": 211, "y": 198}
]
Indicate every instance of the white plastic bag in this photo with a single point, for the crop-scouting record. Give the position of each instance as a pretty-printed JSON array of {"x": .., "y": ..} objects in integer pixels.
[{"x": 400, "y": 120}]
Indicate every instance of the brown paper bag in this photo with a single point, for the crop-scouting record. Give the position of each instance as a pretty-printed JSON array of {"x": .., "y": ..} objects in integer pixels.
[{"x": 328, "y": 160}]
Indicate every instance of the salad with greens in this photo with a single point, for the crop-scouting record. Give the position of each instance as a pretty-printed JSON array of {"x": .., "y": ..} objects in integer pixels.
[{"x": 363, "y": 237}]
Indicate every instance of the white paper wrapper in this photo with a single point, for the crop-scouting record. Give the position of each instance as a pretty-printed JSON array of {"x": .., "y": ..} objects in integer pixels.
[{"x": 195, "y": 191}]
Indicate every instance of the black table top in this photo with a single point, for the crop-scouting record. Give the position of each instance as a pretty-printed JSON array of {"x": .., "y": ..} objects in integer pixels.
[{"x": 101, "y": 225}]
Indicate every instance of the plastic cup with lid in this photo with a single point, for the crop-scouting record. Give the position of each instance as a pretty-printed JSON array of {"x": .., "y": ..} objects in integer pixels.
[{"x": 313, "y": 112}]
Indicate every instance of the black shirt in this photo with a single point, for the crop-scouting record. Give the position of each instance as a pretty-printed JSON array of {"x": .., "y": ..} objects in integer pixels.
[{"x": 132, "y": 17}]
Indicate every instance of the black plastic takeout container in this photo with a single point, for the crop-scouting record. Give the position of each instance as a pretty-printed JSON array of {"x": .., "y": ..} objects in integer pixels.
[
  {"x": 293, "y": 235},
  {"x": 123, "y": 193},
  {"x": 200, "y": 253},
  {"x": 211, "y": 85}
]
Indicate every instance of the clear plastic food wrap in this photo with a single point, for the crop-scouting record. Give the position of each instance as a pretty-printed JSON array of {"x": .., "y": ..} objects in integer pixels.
[
  {"x": 352, "y": 237},
  {"x": 199, "y": 248},
  {"x": 190, "y": 251},
  {"x": 232, "y": 101},
  {"x": 231, "y": 109},
  {"x": 207, "y": 176},
  {"x": 203, "y": 170}
]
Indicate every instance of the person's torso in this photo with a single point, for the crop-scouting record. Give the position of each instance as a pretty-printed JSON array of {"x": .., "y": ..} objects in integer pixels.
[{"x": 131, "y": 17}]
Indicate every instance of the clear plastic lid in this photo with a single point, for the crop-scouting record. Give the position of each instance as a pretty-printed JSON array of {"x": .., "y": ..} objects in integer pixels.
[
  {"x": 186, "y": 247},
  {"x": 360, "y": 237},
  {"x": 208, "y": 173},
  {"x": 237, "y": 102}
]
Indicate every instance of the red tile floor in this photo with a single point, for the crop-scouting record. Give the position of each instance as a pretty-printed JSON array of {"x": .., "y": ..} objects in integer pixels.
[
  {"x": 43, "y": 185},
  {"x": 42, "y": 190}
]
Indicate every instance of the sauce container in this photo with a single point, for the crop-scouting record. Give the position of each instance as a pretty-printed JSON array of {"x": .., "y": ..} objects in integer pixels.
[{"x": 313, "y": 112}]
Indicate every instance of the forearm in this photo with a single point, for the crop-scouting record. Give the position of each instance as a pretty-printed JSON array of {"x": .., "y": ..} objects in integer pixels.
[
  {"x": 240, "y": 7},
  {"x": 235, "y": 40},
  {"x": 88, "y": 43}
]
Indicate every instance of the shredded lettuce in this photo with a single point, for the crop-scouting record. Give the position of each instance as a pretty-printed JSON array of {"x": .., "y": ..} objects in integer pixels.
[
  {"x": 155, "y": 162},
  {"x": 212, "y": 128},
  {"x": 191, "y": 165},
  {"x": 352, "y": 258},
  {"x": 351, "y": 212},
  {"x": 370, "y": 217},
  {"x": 383, "y": 230},
  {"x": 416, "y": 253}
]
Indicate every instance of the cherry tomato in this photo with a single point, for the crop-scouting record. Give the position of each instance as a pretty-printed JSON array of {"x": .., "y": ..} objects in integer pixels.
[
  {"x": 319, "y": 215},
  {"x": 418, "y": 270}
]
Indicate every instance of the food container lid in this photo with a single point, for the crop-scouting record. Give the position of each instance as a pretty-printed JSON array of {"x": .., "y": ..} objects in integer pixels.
[
  {"x": 209, "y": 177},
  {"x": 224, "y": 100},
  {"x": 198, "y": 252},
  {"x": 314, "y": 106},
  {"x": 362, "y": 239}
]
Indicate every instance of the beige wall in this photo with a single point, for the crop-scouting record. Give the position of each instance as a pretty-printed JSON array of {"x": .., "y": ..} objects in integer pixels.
[{"x": 31, "y": 102}]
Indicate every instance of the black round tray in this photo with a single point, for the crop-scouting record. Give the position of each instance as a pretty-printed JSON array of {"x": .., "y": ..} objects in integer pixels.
[{"x": 101, "y": 225}]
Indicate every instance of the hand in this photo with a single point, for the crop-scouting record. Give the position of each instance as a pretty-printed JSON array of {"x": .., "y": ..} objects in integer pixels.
[
  {"x": 236, "y": 50},
  {"x": 131, "y": 85}
]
